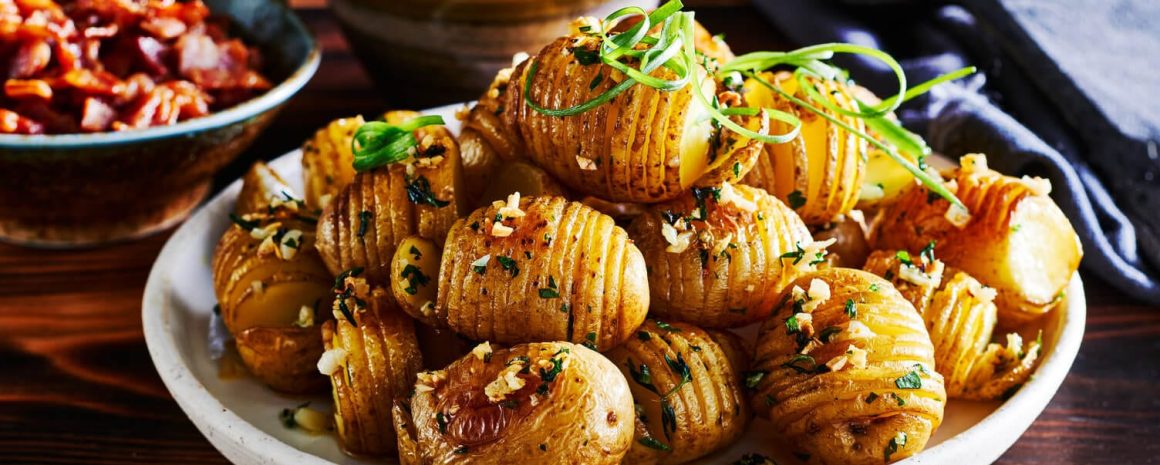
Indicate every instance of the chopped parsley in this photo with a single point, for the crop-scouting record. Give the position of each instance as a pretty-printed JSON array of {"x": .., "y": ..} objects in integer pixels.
[
  {"x": 596, "y": 81},
  {"x": 586, "y": 57},
  {"x": 904, "y": 257},
  {"x": 364, "y": 219},
  {"x": 341, "y": 278},
  {"x": 550, "y": 292},
  {"x": 928, "y": 252},
  {"x": 829, "y": 333},
  {"x": 508, "y": 264},
  {"x": 419, "y": 193},
  {"x": 791, "y": 325},
  {"x": 700, "y": 194},
  {"x": 753, "y": 378},
  {"x": 667, "y": 327},
  {"x": 899, "y": 440},
  {"x": 909, "y": 381},
  {"x": 415, "y": 278},
  {"x": 796, "y": 362},
  {"x": 651, "y": 443},
  {"x": 441, "y": 420},
  {"x": 480, "y": 265},
  {"x": 851, "y": 310},
  {"x": 796, "y": 199},
  {"x": 415, "y": 253},
  {"x": 871, "y": 398},
  {"x": 243, "y": 223},
  {"x": 796, "y": 255}
]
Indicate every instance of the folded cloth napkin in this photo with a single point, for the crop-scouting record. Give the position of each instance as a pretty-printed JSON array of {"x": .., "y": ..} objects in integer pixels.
[{"x": 1066, "y": 91}]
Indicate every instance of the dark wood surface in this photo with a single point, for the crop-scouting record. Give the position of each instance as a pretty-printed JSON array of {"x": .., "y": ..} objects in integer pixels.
[{"x": 77, "y": 385}]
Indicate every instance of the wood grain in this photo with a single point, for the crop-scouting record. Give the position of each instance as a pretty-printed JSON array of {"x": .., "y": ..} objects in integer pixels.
[{"x": 77, "y": 385}]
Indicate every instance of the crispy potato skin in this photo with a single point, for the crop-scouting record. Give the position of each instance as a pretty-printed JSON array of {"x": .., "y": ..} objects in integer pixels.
[
  {"x": 711, "y": 410},
  {"x": 327, "y": 161},
  {"x": 382, "y": 357},
  {"x": 1016, "y": 240},
  {"x": 261, "y": 185},
  {"x": 283, "y": 358},
  {"x": 824, "y": 165},
  {"x": 632, "y": 149},
  {"x": 256, "y": 287},
  {"x": 598, "y": 274},
  {"x": 740, "y": 281},
  {"x": 364, "y": 224},
  {"x": 582, "y": 414},
  {"x": 832, "y": 415}
]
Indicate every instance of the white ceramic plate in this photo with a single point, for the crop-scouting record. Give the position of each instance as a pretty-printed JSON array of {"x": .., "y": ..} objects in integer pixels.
[{"x": 240, "y": 416}]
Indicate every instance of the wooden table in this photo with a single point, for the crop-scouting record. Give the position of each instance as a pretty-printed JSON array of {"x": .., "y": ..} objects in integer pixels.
[{"x": 77, "y": 385}]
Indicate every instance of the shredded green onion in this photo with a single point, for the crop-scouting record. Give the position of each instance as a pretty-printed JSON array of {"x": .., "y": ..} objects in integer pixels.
[{"x": 378, "y": 143}]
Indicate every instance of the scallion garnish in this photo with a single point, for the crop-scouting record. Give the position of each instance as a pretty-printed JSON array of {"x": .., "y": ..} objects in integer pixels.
[{"x": 378, "y": 143}]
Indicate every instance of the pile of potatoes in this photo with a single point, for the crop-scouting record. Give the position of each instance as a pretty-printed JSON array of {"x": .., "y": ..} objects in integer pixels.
[{"x": 563, "y": 289}]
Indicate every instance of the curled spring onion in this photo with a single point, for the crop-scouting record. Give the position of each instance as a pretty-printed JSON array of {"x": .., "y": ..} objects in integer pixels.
[{"x": 378, "y": 143}]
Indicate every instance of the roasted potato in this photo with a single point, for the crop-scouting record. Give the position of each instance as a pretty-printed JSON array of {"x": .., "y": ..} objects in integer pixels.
[
  {"x": 819, "y": 173},
  {"x": 485, "y": 144},
  {"x": 414, "y": 268},
  {"x": 540, "y": 269},
  {"x": 1011, "y": 237},
  {"x": 520, "y": 177},
  {"x": 687, "y": 392},
  {"x": 371, "y": 357},
  {"x": 543, "y": 403},
  {"x": 845, "y": 371},
  {"x": 851, "y": 238},
  {"x": 327, "y": 161},
  {"x": 646, "y": 145},
  {"x": 363, "y": 225},
  {"x": 284, "y": 358},
  {"x": 263, "y": 189},
  {"x": 916, "y": 276},
  {"x": 717, "y": 256}
]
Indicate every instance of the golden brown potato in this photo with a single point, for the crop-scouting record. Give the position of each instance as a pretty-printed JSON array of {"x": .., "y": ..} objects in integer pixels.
[
  {"x": 851, "y": 240},
  {"x": 363, "y": 225},
  {"x": 546, "y": 270},
  {"x": 646, "y": 145},
  {"x": 484, "y": 143},
  {"x": 820, "y": 172},
  {"x": 1001, "y": 370},
  {"x": 521, "y": 177},
  {"x": 283, "y": 358},
  {"x": 916, "y": 276},
  {"x": 961, "y": 320},
  {"x": 265, "y": 269},
  {"x": 542, "y": 403},
  {"x": 414, "y": 268},
  {"x": 687, "y": 392},
  {"x": 845, "y": 371},
  {"x": 1013, "y": 237},
  {"x": 371, "y": 357},
  {"x": 327, "y": 161},
  {"x": 263, "y": 189},
  {"x": 726, "y": 269}
]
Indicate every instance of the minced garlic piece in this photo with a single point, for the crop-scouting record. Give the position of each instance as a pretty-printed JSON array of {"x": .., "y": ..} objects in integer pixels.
[
  {"x": 331, "y": 361},
  {"x": 291, "y": 242},
  {"x": 810, "y": 346},
  {"x": 678, "y": 242},
  {"x": 974, "y": 163},
  {"x": 427, "y": 309},
  {"x": 267, "y": 247},
  {"x": 426, "y": 381},
  {"x": 511, "y": 208},
  {"x": 498, "y": 229},
  {"x": 305, "y": 317},
  {"x": 311, "y": 420},
  {"x": 265, "y": 231},
  {"x": 819, "y": 291},
  {"x": 857, "y": 356},
  {"x": 912, "y": 274},
  {"x": 958, "y": 215},
  {"x": 586, "y": 164},
  {"x": 730, "y": 196},
  {"x": 805, "y": 323},
  {"x": 981, "y": 292},
  {"x": 855, "y": 330},
  {"x": 518, "y": 58},
  {"x": 482, "y": 351},
  {"x": 258, "y": 286},
  {"x": 507, "y": 382},
  {"x": 1037, "y": 185},
  {"x": 324, "y": 200},
  {"x": 837, "y": 363}
]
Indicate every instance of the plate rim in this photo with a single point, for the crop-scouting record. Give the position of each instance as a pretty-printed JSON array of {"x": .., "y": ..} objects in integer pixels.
[{"x": 238, "y": 439}]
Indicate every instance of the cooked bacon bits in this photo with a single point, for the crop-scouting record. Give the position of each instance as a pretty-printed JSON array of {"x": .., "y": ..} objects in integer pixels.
[{"x": 100, "y": 65}]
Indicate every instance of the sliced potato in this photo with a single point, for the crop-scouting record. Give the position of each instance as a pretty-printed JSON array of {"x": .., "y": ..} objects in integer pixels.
[
  {"x": 327, "y": 161},
  {"x": 284, "y": 358},
  {"x": 819, "y": 174},
  {"x": 1011, "y": 237},
  {"x": 844, "y": 370},
  {"x": 680, "y": 371},
  {"x": 549, "y": 403},
  {"x": 724, "y": 270}
]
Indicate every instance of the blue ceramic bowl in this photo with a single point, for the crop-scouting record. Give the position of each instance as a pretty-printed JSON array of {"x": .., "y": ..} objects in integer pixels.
[{"x": 86, "y": 189}]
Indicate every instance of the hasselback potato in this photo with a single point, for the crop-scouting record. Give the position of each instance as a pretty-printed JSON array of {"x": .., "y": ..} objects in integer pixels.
[
  {"x": 645, "y": 145},
  {"x": 484, "y": 142},
  {"x": 845, "y": 371},
  {"x": 362, "y": 226},
  {"x": 543, "y": 403},
  {"x": 1011, "y": 237},
  {"x": 371, "y": 357},
  {"x": 715, "y": 255},
  {"x": 327, "y": 161},
  {"x": 283, "y": 357},
  {"x": 687, "y": 391},
  {"x": 818, "y": 174},
  {"x": 546, "y": 270}
]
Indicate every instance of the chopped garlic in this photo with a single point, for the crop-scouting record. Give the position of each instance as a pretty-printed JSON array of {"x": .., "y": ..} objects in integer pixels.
[
  {"x": 265, "y": 231},
  {"x": 258, "y": 286},
  {"x": 482, "y": 351},
  {"x": 678, "y": 242},
  {"x": 511, "y": 209},
  {"x": 1037, "y": 185},
  {"x": 974, "y": 163},
  {"x": 305, "y": 317},
  {"x": 426, "y": 381},
  {"x": 913, "y": 275},
  {"x": 291, "y": 242},
  {"x": 983, "y": 293},
  {"x": 855, "y": 330},
  {"x": 819, "y": 290},
  {"x": 810, "y": 346},
  {"x": 498, "y": 229},
  {"x": 871, "y": 193},
  {"x": 518, "y": 58},
  {"x": 958, "y": 215},
  {"x": 324, "y": 200},
  {"x": 805, "y": 323},
  {"x": 331, "y": 361},
  {"x": 836, "y": 363},
  {"x": 857, "y": 356},
  {"x": 507, "y": 382},
  {"x": 311, "y": 420},
  {"x": 427, "y": 309},
  {"x": 267, "y": 247},
  {"x": 586, "y": 164},
  {"x": 730, "y": 196}
]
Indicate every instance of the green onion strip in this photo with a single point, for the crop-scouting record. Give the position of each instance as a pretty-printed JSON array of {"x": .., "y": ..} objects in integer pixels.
[{"x": 378, "y": 143}]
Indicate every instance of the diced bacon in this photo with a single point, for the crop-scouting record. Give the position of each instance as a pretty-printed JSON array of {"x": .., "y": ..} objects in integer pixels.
[
  {"x": 30, "y": 88},
  {"x": 12, "y": 123}
]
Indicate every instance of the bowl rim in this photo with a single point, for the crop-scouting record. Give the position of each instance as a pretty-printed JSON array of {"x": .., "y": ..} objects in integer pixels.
[{"x": 253, "y": 107}]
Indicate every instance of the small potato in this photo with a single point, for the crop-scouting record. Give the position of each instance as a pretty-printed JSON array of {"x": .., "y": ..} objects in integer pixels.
[
  {"x": 485, "y": 143},
  {"x": 371, "y": 358},
  {"x": 540, "y": 269},
  {"x": 726, "y": 269},
  {"x": 916, "y": 278},
  {"x": 262, "y": 189},
  {"x": 542, "y": 403},
  {"x": 266, "y": 271},
  {"x": 844, "y": 371},
  {"x": 363, "y": 225},
  {"x": 1012, "y": 237},
  {"x": 820, "y": 172},
  {"x": 283, "y": 358},
  {"x": 520, "y": 177},
  {"x": 687, "y": 391},
  {"x": 999, "y": 371},
  {"x": 414, "y": 268},
  {"x": 327, "y": 161},
  {"x": 645, "y": 145}
]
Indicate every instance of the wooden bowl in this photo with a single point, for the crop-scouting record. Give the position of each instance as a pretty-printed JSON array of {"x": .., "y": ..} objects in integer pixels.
[
  {"x": 73, "y": 190},
  {"x": 428, "y": 52}
]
